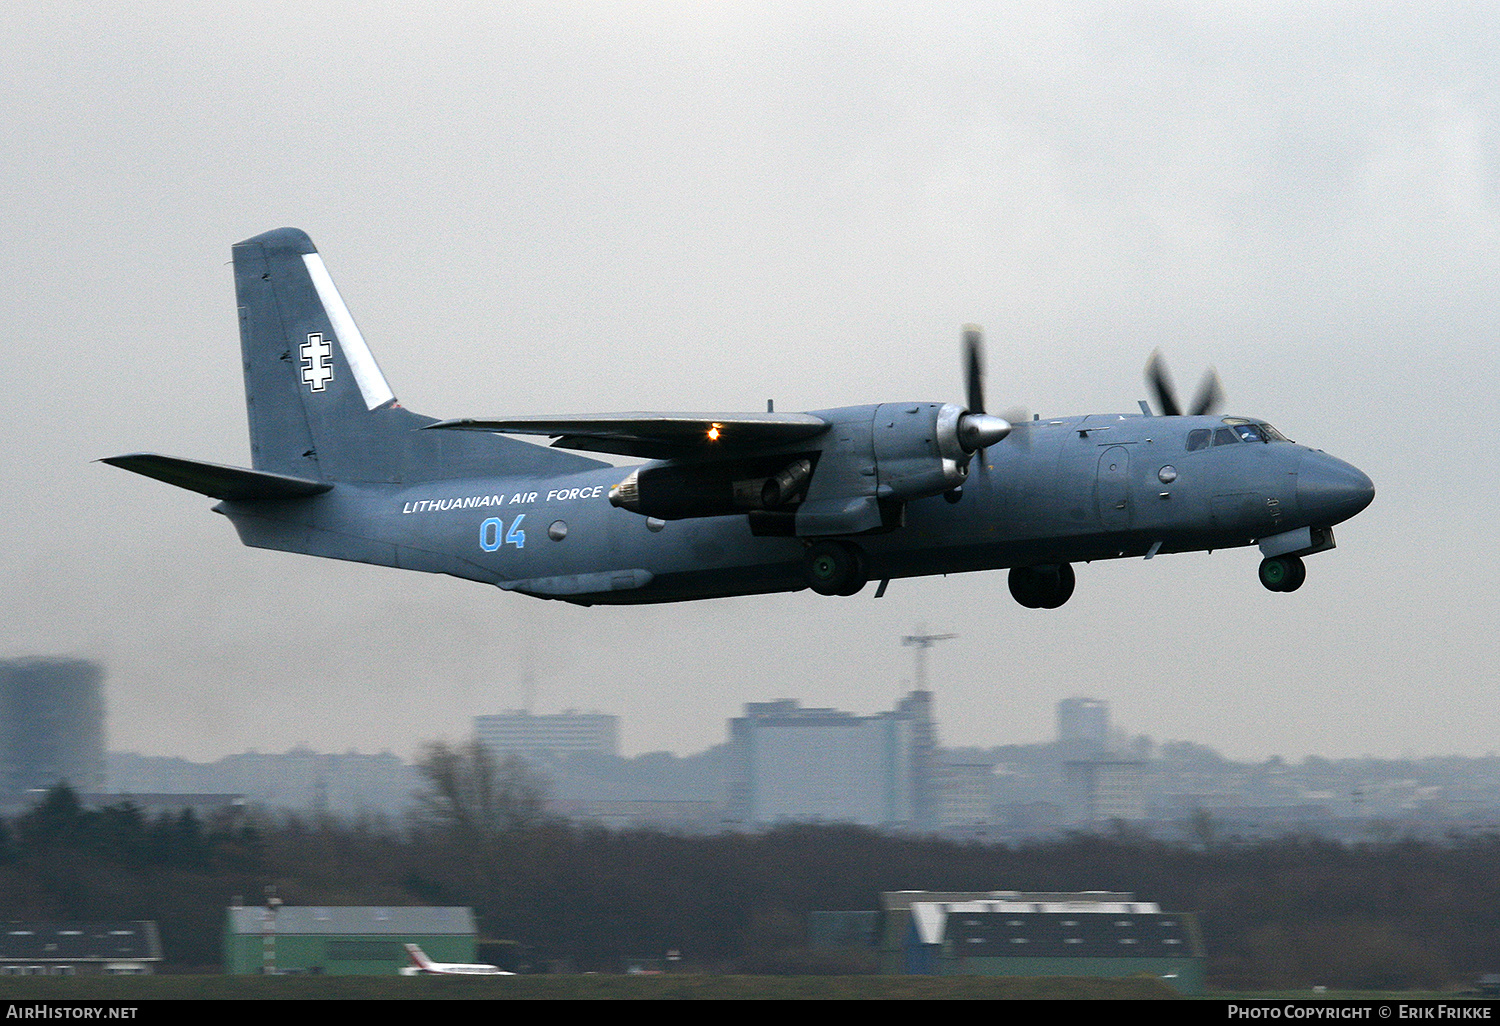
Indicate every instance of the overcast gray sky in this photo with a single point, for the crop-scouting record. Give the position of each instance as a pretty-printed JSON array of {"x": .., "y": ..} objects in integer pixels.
[{"x": 564, "y": 207}]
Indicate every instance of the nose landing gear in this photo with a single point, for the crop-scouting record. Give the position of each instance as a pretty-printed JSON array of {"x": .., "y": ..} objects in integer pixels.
[{"x": 1283, "y": 573}]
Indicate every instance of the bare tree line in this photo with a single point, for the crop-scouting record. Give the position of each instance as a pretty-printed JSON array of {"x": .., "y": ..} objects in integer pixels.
[{"x": 1290, "y": 912}]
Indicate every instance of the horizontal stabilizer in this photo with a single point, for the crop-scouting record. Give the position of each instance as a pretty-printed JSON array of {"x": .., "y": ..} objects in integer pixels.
[
  {"x": 659, "y": 436},
  {"x": 217, "y": 480}
]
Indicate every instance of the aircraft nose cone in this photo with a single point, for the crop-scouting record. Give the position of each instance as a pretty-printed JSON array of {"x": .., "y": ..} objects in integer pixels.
[{"x": 1330, "y": 491}]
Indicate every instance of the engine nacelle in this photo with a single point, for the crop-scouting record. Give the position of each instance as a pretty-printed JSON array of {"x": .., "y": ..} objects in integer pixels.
[
  {"x": 853, "y": 478},
  {"x": 923, "y": 449},
  {"x": 714, "y": 488},
  {"x": 917, "y": 450},
  {"x": 875, "y": 458}
]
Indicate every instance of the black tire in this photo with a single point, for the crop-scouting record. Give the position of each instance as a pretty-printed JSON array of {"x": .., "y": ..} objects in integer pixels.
[
  {"x": 859, "y": 575},
  {"x": 1042, "y": 587},
  {"x": 1298, "y": 574},
  {"x": 1025, "y": 586},
  {"x": 1060, "y": 583},
  {"x": 832, "y": 568},
  {"x": 1276, "y": 572}
]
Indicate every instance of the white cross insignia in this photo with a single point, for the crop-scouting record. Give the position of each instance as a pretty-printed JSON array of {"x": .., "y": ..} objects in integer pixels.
[{"x": 317, "y": 356}]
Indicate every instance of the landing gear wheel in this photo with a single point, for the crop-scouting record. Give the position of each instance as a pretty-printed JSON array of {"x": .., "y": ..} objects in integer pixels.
[
  {"x": 1283, "y": 573},
  {"x": 1059, "y": 586},
  {"x": 1024, "y": 587},
  {"x": 1299, "y": 574},
  {"x": 834, "y": 568},
  {"x": 858, "y": 574},
  {"x": 1042, "y": 587}
]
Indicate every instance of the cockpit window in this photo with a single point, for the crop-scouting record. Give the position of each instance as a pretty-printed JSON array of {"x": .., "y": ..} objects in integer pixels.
[
  {"x": 1225, "y": 436},
  {"x": 1198, "y": 438},
  {"x": 1251, "y": 431}
]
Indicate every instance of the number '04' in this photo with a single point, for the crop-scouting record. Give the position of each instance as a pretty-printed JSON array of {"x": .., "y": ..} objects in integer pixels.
[{"x": 492, "y": 534}]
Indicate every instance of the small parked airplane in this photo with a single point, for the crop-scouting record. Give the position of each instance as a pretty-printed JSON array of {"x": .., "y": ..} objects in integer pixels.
[{"x": 421, "y": 965}]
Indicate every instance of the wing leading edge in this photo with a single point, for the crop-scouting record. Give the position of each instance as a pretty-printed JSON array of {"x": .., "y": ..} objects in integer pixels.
[{"x": 658, "y": 436}]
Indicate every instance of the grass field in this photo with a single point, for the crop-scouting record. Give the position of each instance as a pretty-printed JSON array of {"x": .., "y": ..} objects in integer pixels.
[{"x": 575, "y": 988}]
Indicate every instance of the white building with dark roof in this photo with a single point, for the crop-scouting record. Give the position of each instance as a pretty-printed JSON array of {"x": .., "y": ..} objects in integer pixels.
[{"x": 124, "y": 948}]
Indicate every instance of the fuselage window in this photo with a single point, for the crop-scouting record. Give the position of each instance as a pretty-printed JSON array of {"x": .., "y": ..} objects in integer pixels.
[
  {"x": 1249, "y": 432},
  {"x": 1199, "y": 438},
  {"x": 1225, "y": 436}
]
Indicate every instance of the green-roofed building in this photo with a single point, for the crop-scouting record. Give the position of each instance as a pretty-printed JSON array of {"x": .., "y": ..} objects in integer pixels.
[
  {"x": 343, "y": 940},
  {"x": 1012, "y": 933}
]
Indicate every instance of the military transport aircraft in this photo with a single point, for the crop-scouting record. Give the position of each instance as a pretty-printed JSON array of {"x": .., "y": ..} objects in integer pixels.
[{"x": 731, "y": 503}]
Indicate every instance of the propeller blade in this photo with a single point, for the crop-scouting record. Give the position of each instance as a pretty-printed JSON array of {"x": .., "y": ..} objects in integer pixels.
[
  {"x": 974, "y": 367},
  {"x": 1161, "y": 385},
  {"x": 1210, "y": 395}
]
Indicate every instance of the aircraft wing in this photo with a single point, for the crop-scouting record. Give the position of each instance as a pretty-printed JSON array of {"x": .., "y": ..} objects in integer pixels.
[{"x": 658, "y": 436}]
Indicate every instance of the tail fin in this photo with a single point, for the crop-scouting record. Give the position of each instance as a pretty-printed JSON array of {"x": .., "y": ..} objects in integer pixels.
[
  {"x": 418, "y": 957},
  {"x": 313, "y": 391},
  {"x": 319, "y": 407}
]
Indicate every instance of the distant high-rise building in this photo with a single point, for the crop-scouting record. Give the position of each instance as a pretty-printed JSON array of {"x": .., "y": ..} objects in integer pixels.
[
  {"x": 1083, "y": 726},
  {"x": 965, "y": 794},
  {"x": 51, "y": 726},
  {"x": 560, "y": 733},
  {"x": 791, "y": 763},
  {"x": 916, "y": 709},
  {"x": 1101, "y": 790}
]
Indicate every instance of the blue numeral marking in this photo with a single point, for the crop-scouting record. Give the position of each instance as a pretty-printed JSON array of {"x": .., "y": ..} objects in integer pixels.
[
  {"x": 489, "y": 534},
  {"x": 493, "y": 529}
]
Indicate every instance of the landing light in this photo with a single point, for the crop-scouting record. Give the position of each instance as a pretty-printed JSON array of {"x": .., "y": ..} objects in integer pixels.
[{"x": 713, "y": 432}]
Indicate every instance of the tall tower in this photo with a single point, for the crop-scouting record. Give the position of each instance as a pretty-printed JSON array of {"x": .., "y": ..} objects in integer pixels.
[
  {"x": 922, "y": 642},
  {"x": 917, "y": 708}
]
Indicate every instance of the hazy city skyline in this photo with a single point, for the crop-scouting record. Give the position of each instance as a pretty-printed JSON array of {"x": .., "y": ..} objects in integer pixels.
[{"x": 574, "y": 207}]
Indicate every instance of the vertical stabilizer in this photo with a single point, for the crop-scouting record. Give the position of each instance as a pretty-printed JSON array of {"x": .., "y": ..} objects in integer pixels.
[
  {"x": 320, "y": 408},
  {"x": 318, "y": 404}
]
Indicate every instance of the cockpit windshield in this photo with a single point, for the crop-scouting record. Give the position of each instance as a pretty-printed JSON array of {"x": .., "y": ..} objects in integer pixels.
[
  {"x": 1237, "y": 430},
  {"x": 1254, "y": 430}
]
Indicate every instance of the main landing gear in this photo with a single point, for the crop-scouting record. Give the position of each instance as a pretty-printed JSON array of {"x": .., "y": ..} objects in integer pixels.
[
  {"x": 1042, "y": 587},
  {"x": 834, "y": 568},
  {"x": 1283, "y": 573}
]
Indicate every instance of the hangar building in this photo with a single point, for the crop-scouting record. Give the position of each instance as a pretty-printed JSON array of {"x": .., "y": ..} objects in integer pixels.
[{"x": 342, "y": 940}]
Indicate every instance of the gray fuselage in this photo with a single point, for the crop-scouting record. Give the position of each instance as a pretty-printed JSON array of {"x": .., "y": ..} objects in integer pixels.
[{"x": 1063, "y": 490}]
